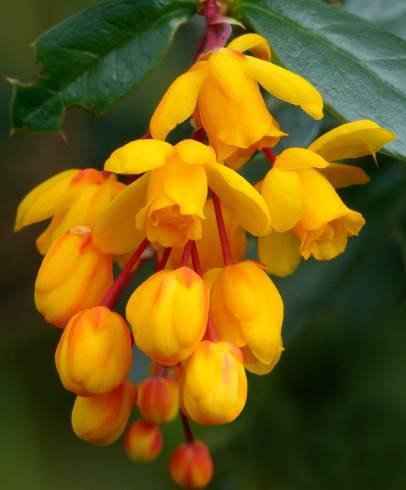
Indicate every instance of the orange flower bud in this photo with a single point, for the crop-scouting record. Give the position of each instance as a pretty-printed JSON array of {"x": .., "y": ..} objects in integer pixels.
[
  {"x": 94, "y": 353},
  {"x": 247, "y": 309},
  {"x": 158, "y": 399},
  {"x": 191, "y": 465},
  {"x": 101, "y": 419},
  {"x": 73, "y": 276},
  {"x": 168, "y": 314},
  {"x": 143, "y": 441},
  {"x": 221, "y": 399}
]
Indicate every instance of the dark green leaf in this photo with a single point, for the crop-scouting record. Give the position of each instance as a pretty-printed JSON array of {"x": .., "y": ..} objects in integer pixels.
[
  {"x": 359, "y": 69},
  {"x": 96, "y": 58}
]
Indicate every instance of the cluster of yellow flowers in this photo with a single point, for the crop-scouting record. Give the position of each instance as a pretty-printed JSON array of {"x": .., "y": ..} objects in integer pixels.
[{"x": 206, "y": 315}]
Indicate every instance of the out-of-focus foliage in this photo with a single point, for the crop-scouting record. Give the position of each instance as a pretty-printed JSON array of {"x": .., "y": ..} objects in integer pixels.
[
  {"x": 359, "y": 69},
  {"x": 333, "y": 413}
]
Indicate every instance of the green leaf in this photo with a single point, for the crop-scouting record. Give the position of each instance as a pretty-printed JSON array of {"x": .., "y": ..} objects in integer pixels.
[
  {"x": 96, "y": 58},
  {"x": 359, "y": 69}
]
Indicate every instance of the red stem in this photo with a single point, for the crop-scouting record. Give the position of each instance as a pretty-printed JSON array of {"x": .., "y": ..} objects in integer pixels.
[
  {"x": 186, "y": 254},
  {"x": 120, "y": 284},
  {"x": 164, "y": 259},
  {"x": 225, "y": 244},
  {"x": 269, "y": 154},
  {"x": 186, "y": 428}
]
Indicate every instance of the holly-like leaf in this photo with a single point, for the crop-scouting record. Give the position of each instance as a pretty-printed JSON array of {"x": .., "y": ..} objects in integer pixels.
[
  {"x": 96, "y": 58},
  {"x": 359, "y": 69}
]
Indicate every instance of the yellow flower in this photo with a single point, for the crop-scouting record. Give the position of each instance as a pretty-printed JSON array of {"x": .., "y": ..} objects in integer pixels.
[
  {"x": 191, "y": 465},
  {"x": 94, "y": 354},
  {"x": 72, "y": 197},
  {"x": 222, "y": 92},
  {"x": 247, "y": 309},
  {"x": 209, "y": 246},
  {"x": 299, "y": 192},
  {"x": 168, "y": 314},
  {"x": 143, "y": 441},
  {"x": 213, "y": 383},
  {"x": 167, "y": 203},
  {"x": 158, "y": 399},
  {"x": 73, "y": 276},
  {"x": 101, "y": 419}
]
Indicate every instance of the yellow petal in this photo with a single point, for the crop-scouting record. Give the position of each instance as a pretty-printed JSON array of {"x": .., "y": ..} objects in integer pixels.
[
  {"x": 46, "y": 199},
  {"x": 352, "y": 140},
  {"x": 282, "y": 193},
  {"x": 254, "y": 366},
  {"x": 229, "y": 75},
  {"x": 341, "y": 175},
  {"x": 299, "y": 158},
  {"x": 240, "y": 197},
  {"x": 178, "y": 103},
  {"x": 279, "y": 252},
  {"x": 286, "y": 85},
  {"x": 139, "y": 156},
  {"x": 195, "y": 153},
  {"x": 114, "y": 230},
  {"x": 255, "y": 43}
]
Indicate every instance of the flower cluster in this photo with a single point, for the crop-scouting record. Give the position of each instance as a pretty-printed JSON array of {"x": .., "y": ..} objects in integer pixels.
[{"x": 207, "y": 315}]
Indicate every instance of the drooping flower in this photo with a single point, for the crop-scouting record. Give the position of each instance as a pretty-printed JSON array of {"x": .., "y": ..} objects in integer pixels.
[
  {"x": 143, "y": 441},
  {"x": 72, "y": 197},
  {"x": 247, "y": 309},
  {"x": 168, "y": 314},
  {"x": 213, "y": 383},
  {"x": 299, "y": 191},
  {"x": 74, "y": 275},
  {"x": 167, "y": 203},
  {"x": 94, "y": 354},
  {"x": 221, "y": 91},
  {"x": 191, "y": 465},
  {"x": 158, "y": 399},
  {"x": 101, "y": 419}
]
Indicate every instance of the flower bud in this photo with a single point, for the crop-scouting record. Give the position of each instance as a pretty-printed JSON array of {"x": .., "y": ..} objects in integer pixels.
[
  {"x": 158, "y": 399},
  {"x": 191, "y": 465},
  {"x": 168, "y": 314},
  {"x": 143, "y": 441},
  {"x": 101, "y": 419},
  {"x": 247, "y": 309},
  {"x": 214, "y": 385},
  {"x": 73, "y": 276},
  {"x": 94, "y": 353}
]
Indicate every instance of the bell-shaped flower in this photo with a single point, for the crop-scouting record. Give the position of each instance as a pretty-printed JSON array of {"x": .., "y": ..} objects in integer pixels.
[
  {"x": 166, "y": 204},
  {"x": 222, "y": 92},
  {"x": 299, "y": 192},
  {"x": 74, "y": 275},
  {"x": 158, "y": 399},
  {"x": 101, "y": 419},
  {"x": 213, "y": 383},
  {"x": 143, "y": 441},
  {"x": 191, "y": 465},
  {"x": 168, "y": 314},
  {"x": 94, "y": 354},
  {"x": 247, "y": 309},
  {"x": 72, "y": 197},
  {"x": 209, "y": 246}
]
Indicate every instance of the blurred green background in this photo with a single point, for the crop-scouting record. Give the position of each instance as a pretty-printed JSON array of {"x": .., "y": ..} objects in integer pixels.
[{"x": 333, "y": 413}]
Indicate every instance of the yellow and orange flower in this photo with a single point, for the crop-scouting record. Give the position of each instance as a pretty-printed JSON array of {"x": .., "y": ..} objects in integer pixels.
[
  {"x": 221, "y": 91},
  {"x": 308, "y": 218},
  {"x": 158, "y": 399},
  {"x": 101, "y": 419},
  {"x": 72, "y": 197},
  {"x": 94, "y": 354},
  {"x": 191, "y": 465},
  {"x": 74, "y": 275},
  {"x": 167, "y": 203},
  {"x": 143, "y": 441}
]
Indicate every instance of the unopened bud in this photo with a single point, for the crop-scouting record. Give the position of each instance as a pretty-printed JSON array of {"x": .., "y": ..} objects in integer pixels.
[
  {"x": 143, "y": 441},
  {"x": 191, "y": 465},
  {"x": 158, "y": 399}
]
